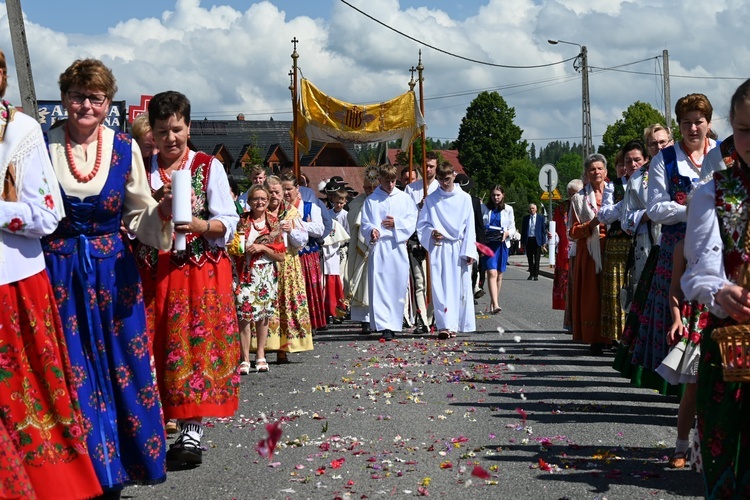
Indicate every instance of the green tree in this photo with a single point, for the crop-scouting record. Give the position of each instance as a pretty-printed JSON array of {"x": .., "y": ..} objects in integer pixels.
[
  {"x": 488, "y": 140},
  {"x": 569, "y": 167},
  {"x": 635, "y": 119}
]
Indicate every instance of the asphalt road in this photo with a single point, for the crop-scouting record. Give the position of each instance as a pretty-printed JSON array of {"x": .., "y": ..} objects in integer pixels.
[{"x": 538, "y": 415}]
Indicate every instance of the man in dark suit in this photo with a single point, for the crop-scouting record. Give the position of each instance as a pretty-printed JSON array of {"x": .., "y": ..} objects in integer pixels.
[{"x": 533, "y": 238}]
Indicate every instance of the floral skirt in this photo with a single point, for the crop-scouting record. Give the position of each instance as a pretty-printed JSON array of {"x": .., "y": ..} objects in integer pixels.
[
  {"x": 314, "y": 287},
  {"x": 196, "y": 337},
  {"x": 100, "y": 300},
  {"x": 41, "y": 427},
  {"x": 289, "y": 329},
  {"x": 256, "y": 300},
  {"x": 723, "y": 426}
]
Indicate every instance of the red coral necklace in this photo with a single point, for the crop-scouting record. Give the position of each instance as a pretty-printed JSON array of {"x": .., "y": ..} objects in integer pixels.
[
  {"x": 163, "y": 170},
  {"x": 697, "y": 165},
  {"x": 72, "y": 162}
]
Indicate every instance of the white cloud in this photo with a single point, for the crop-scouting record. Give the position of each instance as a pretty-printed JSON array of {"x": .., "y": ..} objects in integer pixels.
[{"x": 229, "y": 61}]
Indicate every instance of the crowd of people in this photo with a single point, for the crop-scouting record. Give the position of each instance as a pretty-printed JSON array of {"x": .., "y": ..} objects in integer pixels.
[
  {"x": 655, "y": 262},
  {"x": 123, "y": 325}
]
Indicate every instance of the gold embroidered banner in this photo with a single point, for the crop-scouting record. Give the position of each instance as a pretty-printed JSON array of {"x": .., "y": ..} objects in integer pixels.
[{"x": 325, "y": 119}]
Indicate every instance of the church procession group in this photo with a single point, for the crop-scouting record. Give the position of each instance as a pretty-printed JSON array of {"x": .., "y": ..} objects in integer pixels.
[
  {"x": 124, "y": 320},
  {"x": 654, "y": 266}
]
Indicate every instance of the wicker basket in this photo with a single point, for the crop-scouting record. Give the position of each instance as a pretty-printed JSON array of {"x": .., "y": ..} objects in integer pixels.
[{"x": 734, "y": 343}]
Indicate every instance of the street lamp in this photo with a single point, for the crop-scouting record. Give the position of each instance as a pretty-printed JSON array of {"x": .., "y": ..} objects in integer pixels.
[{"x": 586, "y": 141}]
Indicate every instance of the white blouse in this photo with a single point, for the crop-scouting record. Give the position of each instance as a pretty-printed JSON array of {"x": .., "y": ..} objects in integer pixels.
[
  {"x": 39, "y": 207},
  {"x": 704, "y": 251},
  {"x": 661, "y": 208}
]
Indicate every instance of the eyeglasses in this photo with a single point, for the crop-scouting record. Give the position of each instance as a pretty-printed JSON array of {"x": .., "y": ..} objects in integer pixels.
[
  {"x": 660, "y": 144},
  {"x": 95, "y": 99}
]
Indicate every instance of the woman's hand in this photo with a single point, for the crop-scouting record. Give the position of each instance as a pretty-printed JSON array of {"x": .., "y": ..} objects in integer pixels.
[
  {"x": 286, "y": 226},
  {"x": 164, "y": 197},
  {"x": 735, "y": 300},
  {"x": 196, "y": 225},
  {"x": 675, "y": 332},
  {"x": 257, "y": 248}
]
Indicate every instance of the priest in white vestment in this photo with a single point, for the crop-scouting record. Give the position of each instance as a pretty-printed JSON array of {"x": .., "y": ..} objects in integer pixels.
[
  {"x": 446, "y": 229},
  {"x": 389, "y": 217}
]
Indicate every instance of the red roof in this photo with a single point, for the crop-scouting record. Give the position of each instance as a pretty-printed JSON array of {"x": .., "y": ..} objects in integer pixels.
[
  {"x": 353, "y": 176},
  {"x": 450, "y": 155}
]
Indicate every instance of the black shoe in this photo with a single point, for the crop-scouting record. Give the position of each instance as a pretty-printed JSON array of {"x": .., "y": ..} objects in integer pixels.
[
  {"x": 388, "y": 335},
  {"x": 596, "y": 349},
  {"x": 185, "y": 450},
  {"x": 529, "y": 278},
  {"x": 422, "y": 330},
  {"x": 479, "y": 294},
  {"x": 536, "y": 279},
  {"x": 365, "y": 328}
]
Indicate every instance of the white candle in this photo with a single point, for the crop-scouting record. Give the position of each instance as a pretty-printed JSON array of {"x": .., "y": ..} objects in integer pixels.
[
  {"x": 551, "y": 243},
  {"x": 182, "y": 211}
]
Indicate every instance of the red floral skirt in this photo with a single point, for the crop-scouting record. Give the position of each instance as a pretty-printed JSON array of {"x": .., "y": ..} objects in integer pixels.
[
  {"x": 40, "y": 420},
  {"x": 193, "y": 320}
]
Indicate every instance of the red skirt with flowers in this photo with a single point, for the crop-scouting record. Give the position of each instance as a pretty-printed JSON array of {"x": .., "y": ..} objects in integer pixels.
[
  {"x": 191, "y": 314},
  {"x": 40, "y": 420}
]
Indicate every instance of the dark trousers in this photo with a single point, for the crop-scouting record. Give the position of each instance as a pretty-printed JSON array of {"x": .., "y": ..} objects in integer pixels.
[{"x": 533, "y": 254}]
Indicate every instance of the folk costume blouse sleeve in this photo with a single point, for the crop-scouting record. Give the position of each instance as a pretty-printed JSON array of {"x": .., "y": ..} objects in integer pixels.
[
  {"x": 704, "y": 251},
  {"x": 220, "y": 204},
  {"x": 610, "y": 211}
]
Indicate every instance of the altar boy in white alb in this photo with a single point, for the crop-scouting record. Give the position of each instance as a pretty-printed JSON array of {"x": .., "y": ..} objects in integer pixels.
[
  {"x": 389, "y": 217},
  {"x": 446, "y": 230}
]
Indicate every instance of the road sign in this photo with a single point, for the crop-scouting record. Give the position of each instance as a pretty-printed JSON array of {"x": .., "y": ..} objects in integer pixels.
[
  {"x": 548, "y": 177},
  {"x": 556, "y": 196}
]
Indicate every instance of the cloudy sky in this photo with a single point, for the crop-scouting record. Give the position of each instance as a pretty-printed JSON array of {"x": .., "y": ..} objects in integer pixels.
[{"x": 233, "y": 56}]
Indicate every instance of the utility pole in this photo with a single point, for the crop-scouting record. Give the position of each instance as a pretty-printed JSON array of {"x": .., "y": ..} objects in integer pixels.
[
  {"x": 588, "y": 143},
  {"x": 21, "y": 55},
  {"x": 667, "y": 94}
]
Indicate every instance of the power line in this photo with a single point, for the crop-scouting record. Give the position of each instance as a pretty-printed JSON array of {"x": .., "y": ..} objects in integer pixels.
[{"x": 451, "y": 53}]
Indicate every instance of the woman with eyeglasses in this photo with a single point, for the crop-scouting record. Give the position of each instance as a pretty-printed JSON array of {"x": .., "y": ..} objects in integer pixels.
[
  {"x": 188, "y": 292},
  {"x": 96, "y": 281},
  {"x": 257, "y": 246}
]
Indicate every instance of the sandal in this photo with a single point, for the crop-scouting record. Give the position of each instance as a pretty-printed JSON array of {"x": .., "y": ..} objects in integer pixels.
[
  {"x": 678, "y": 460},
  {"x": 496, "y": 310},
  {"x": 452, "y": 335},
  {"x": 261, "y": 366},
  {"x": 244, "y": 368},
  {"x": 444, "y": 334}
]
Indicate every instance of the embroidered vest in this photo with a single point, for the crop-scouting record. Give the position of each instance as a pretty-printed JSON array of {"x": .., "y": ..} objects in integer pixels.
[{"x": 198, "y": 250}]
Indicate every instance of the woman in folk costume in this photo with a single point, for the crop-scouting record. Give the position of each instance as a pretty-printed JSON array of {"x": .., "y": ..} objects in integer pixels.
[
  {"x": 97, "y": 286},
  {"x": 672, "y": 174},
  {"x": 309, "y": 253},
  {"x": 500, "y": 228},
  {"x": 446, "y": 229},
  {"x": 355, "y": 284},
  {"x": 257, "y": 246},
  {"x": 562, "y": 285},
  {"x": 615, "y": 253},
  {"x": 189, "y": 292},
  {"x": 717, "y": 249},
  {"x": 42, "y": 446},
  {"x": 289, "y": 329},
  {"x": 590, "y": 234}
]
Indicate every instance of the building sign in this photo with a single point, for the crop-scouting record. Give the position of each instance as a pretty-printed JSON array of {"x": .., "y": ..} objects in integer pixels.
[
  {"x": 52, "y": 111},
  {"x": 136, "y": 110}
]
